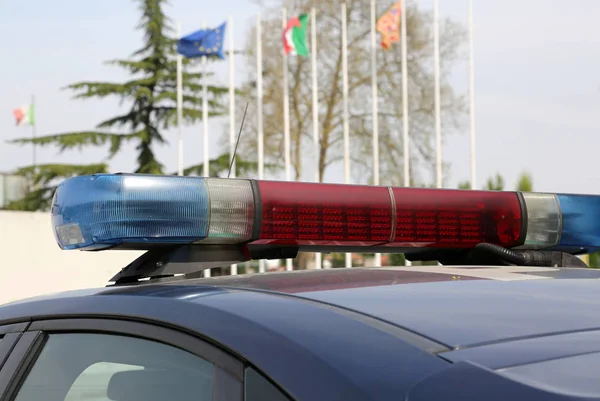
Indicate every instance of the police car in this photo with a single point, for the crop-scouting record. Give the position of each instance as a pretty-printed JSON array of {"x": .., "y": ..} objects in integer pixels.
[{"x": 513, "y": 315}]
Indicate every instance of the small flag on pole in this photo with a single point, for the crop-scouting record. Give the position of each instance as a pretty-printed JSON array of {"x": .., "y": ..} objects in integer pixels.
[
  {"x": 25, "y": 115},
  {"x": 388, "y": 25},
  {"x": 205, "y": 42},
  {"x": 294, "y": 36}
]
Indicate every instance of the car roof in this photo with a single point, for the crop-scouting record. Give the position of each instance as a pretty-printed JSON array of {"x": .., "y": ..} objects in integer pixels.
[
  {"x": 457, "y": 306},
  {"x": 335, "y": 324}
]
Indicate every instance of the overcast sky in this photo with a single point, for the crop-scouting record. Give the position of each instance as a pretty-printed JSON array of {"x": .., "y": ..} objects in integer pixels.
[{"x": 536, "y": 63}]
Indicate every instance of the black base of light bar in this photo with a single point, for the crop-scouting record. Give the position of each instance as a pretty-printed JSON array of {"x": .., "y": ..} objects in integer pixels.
[
  {"x": 495, "y": 255},
  {"x": 169, "y": 261}
]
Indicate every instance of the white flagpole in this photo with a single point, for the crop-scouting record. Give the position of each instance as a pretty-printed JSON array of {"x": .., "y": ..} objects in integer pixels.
[
  {"x": 206, "y": 167},
  {"x": 206, "y": 171},
  {"x": 345, "y": 102},
  {"x": 405, "y": 95},
  {"x": 438, "y": 121},
  {"x": 286, "y": 125},
  {"x": 231, "y": 98},
  {"x": 33, "y": 123},
  {"x": 179, "y": 107},
  {"x": 259, "y": 112},
  {"x": 374, "y": 102},
  {"x": 234, "y": 268},
  {"x": 286, "y": 113},
  {"x": 315, "y": 107},
  {"x": 259, "y": 98},
  {"x": 472, "y": 98},
  {"x": 406, "y": 152}
]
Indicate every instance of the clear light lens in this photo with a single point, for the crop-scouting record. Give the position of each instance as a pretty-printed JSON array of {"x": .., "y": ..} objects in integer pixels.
[
  {"x": 543, "y": 220},
  {"x": 231, "y": 210}
]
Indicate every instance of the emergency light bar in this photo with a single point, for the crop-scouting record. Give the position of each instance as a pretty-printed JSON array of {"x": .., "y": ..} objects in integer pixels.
[{"x": 145, "y": 211}]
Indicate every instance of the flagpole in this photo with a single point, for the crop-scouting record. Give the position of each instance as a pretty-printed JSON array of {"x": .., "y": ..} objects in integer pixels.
[
  {"x": 33, "y": 132},
  {"x": 259, "y": 96},
  {"x": 438, "y": 122},
  {"x": 206, "y": 166},
  {"x": 286, "y": 112},
  {"x": 315, "y": 108},
  {"x": 345, "y": 103},
  {"x": 234, "y": 267},
  {"x": 472, "y": 97},
  {"x": 374, "y": 103},
  {"x": 406, "y": 153},
  {"x": 231, "y": 99},
  {"x": 405, "y": 95},
  {"x": 259, "y": 111},
  {"x": 179, "y": 107},
  {"x": 286, "y": 125}
]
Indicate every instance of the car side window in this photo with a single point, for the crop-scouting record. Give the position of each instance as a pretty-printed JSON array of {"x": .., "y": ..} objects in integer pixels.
[
  {"x": 258, "y": 388},
  {"x": 103, "y": 367}
]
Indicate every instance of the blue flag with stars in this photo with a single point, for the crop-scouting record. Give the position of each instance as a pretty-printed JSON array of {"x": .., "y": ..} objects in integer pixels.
[{"x": 205, "y": 42}]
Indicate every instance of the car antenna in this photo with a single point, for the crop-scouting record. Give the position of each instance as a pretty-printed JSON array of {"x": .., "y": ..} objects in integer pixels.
[{"x": 238, "y": 140}]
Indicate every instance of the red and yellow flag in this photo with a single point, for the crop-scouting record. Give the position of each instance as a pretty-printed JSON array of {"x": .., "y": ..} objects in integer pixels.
[{"x": 388, "y": 25}]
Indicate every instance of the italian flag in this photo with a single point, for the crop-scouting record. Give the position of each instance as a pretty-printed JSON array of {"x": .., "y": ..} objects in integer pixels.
[
  {"x": 25, "y": 115},
  {"x": 294, "y": 36}
]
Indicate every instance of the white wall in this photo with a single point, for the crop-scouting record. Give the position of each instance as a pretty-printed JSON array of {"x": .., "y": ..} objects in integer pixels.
[{"x": 32, "y": 263}]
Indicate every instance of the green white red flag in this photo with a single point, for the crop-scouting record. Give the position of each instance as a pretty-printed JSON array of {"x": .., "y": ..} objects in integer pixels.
[
  {"x": 294, "y": 36},
  {"x": 25, "y": 115}
]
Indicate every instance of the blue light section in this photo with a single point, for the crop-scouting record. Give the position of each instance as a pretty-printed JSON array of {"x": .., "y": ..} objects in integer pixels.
[
  {"x": 580, "y": 222},
  {"x": 103, "y": 210}
]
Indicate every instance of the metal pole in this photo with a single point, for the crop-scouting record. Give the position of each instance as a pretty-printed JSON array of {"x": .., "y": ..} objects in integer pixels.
[
  {"x": 259, "y": 112},
  {"x": 315, "y": 108},
  {"x": 32, "y": 113},
  {"x": 438, "y": 121},
  {"x": 231, "y": 98},
  {"x": 286, "y": 125},
  {"x": 234, "y": 268},
  {"x": 206, "y": 167},
  {"x": 472, "y": 98},
  {"x": 286, "y": 113},
  {"x": 374, "y": 103},
  {"x": 405, "y": 100},
  {"x": 405, "y": 95},
  {"x": 179, "y": 108},
  {"x": 345, "y": 103}
]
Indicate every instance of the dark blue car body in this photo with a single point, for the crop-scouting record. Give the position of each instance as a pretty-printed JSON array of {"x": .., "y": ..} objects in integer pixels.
[{"x": 363, "y": 334}]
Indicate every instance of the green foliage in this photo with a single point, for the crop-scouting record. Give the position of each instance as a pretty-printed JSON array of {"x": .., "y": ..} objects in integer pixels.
[
  {"x": 495, "y": 183},
  {"x": 40, "y": 196},
  {"x": 397, "y": 259},
  {"x": 525, "y": 183},
  {"x": 150, "y": 95},
  {"x": 464, "y": 185}
]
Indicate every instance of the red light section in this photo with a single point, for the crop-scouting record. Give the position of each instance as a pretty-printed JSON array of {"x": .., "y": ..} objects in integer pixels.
[
  {"x": 349, "y": 215},
  {"x": 453, "y": 218},
  {"x": 324, "y": 214}
]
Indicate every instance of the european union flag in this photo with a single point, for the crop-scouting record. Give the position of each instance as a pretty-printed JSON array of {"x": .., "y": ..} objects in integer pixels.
[{"x": 205, "y": 42}]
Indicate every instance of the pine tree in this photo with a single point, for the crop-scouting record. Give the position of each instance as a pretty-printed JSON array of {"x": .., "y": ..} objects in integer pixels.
[{"x": 151, "y": 94}]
